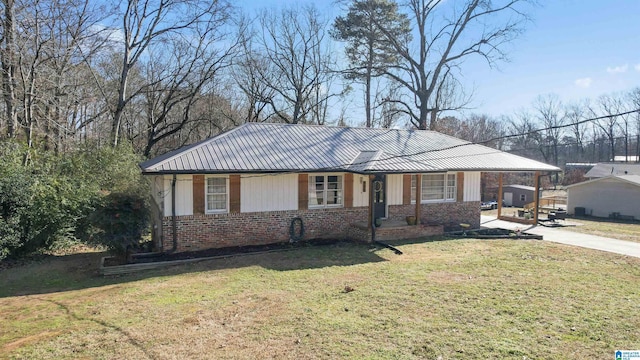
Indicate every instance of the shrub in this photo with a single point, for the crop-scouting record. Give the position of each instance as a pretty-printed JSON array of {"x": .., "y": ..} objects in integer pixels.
[
  {"x": 90, "y": 194},
  {"x": 14, "y": 204},
  {"x": 120, "y": 221}
]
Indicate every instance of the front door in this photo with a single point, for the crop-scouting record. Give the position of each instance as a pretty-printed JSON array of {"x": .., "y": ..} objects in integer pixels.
[{"x": 379, "y": 188}]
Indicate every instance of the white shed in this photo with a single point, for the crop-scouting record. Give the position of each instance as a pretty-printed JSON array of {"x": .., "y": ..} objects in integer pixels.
[{"x": 611, "y": 196}]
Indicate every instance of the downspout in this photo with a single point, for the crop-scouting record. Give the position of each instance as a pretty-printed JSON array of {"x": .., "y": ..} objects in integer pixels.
[
  {"x": 173, "y": 214},
  {"x": 372, "y": 220}
]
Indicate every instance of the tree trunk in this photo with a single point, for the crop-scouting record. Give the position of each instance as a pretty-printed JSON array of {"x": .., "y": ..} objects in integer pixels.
[
  {"x": 8, "y": 68},
  {"x": 367, "y": 96},
  {"x": 122, "y": 94}
]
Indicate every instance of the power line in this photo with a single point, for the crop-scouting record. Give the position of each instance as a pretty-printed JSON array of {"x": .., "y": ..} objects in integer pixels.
[
  {"x": 343, "y": 167},
  {"x": 531, "y": 132}
]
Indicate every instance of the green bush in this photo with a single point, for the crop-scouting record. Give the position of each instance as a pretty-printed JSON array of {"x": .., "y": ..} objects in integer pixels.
[
  {"x": 14, "y": 205},
  {"x": 120, "y": 221},
  {"x": 96, "y": 195}
]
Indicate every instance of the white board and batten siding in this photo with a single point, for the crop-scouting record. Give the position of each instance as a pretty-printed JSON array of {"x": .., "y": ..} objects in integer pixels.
[
  {"x": 394, "y": 189},
  {"x": 184, "y": 195},
  {"x": 471, "y": 186},
  {"x": 360, "y": 198},
  {"x": 260, "y": 192}
]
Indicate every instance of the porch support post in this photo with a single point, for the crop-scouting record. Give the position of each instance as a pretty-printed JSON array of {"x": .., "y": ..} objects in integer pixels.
[
  {"x": 536, "y": 196},
  {"x": 499, "y": 195},
  {"x": 418, "y": 197}
]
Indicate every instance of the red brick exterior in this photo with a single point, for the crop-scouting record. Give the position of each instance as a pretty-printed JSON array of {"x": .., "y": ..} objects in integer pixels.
[
  {"x": 205, "y": 231},
  {"x": 448, "y": 214},
  {"x": 359, "y": 232}
]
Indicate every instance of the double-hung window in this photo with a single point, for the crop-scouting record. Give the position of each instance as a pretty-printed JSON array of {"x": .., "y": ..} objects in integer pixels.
[
  {"x": 217, "y": 194},
  {"x": 325, "y": 190},
  {"x": 451, "y": 189},
  {"x": 414, "y": 181},
  {"x": 437, "y": 187},
  {"x": 433, "y": 187}
]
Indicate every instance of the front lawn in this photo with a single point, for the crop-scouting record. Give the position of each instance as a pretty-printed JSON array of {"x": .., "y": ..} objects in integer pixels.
[
  {"x": 629, "y": 231},
  {"x": 454, "y": 299}
]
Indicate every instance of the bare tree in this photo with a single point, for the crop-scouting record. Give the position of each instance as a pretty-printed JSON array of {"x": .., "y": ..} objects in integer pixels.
[
  {"x": 8, "y": 57},
  {"x": 389, "y": 114},
  {"x": 550, "y": 113},
  {"x": 178, "y": 72},
  {"x": 147, "y": 22},
  {"x": 446, "y": 34},
  {"x": 575, "y": 113},
  {"x": 607, "y": 106},
  {"x": 299, "y": 64},
  {"x": 477, "y": 128},
  {"x": 624, "y": 103},
  {"x": 523, "y": 136},
  {"x": 42, "y": 77},
  {"x": 634, "y": 101},
  {"x": 247, "y": 74}
]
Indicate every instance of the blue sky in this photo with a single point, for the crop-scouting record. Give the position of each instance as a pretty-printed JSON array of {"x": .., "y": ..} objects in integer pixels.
[{"x": 576, "y": 49}]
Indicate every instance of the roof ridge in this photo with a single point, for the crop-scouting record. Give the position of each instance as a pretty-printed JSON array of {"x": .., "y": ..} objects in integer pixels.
[{"x": 345, "y": 127}]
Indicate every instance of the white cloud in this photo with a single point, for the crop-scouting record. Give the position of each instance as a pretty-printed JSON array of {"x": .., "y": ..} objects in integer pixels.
[
  {"x": 584, "y": 82},
  {"x": 618, "y": 69},
  {"x": 637, "y": 67}
]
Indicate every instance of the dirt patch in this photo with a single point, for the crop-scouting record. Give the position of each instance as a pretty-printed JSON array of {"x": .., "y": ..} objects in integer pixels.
[{"x": 29, "y": 340}]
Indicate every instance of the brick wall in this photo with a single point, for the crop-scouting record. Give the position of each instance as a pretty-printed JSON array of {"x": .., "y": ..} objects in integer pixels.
[
  {"x": 205, "y": 231},
  {"x": 449, "y": 214},
  {"x": 363, "y": 233}
]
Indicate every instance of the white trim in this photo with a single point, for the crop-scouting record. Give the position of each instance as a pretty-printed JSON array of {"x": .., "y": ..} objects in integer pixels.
[
  {"x": 206, "y": 202},
  {"x": 325, "y": 206},
  {"x": 445, "y": 176}
]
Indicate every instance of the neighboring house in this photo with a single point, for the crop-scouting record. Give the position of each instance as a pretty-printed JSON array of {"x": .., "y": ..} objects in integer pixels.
[
  {"x": 608, "y": 169},
  {"x": 246, "y": 186},
  {"x": 630, "y": 158},
  {"x": 575, "y": 172},
  {"x": 611, "y": 196},
  {"x": 518, "y": 195}
]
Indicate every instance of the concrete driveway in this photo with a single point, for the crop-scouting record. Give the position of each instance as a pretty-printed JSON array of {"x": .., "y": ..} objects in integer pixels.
[{"x": 568, "y": 237}]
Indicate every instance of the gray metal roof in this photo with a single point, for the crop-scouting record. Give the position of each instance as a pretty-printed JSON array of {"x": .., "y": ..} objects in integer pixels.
[
  {"x": 608, "y": 169},
  {"x": 260, "y": 147},
  {"x": 522, "y": 187},
  {"x": 631, "y": 179}
]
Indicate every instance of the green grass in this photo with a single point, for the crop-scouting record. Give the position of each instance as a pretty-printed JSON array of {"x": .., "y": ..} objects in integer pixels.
[
  {"x": 453, "y": 299},
  {"x": 629, "y": 231}
]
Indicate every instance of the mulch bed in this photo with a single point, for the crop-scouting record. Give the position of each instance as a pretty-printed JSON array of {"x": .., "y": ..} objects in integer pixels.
[
  {"x": 142, "y": 258},
  {"x": 495, "y": 233}
]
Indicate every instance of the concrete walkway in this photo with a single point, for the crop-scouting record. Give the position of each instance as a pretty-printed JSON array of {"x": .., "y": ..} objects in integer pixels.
[{"x": 567, "y": 237}]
